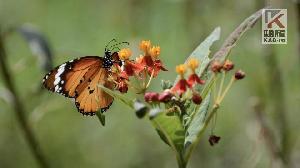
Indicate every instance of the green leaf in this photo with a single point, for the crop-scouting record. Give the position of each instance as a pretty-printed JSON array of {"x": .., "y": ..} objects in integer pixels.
[
  {"x": 203, "y": 50},
  {"x": 171, "y": 131},
  {"x": 118, "y": 96},
  {"x": 162, "y": 136},
  {"x": 196, "y": 127},
  {"x": 171, "y": 127},
  {"x": 101, "y": 117}
]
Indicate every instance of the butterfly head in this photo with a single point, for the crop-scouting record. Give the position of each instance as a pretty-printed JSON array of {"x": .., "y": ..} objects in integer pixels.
[{"x": 110, "y": 49}]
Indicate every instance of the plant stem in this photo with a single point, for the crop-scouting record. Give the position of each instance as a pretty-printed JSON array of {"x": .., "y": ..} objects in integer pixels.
[
  {"x": 214, "y": 89},
  {"x": 226, "y": 90},
  {"x": 179, "y": 156},
  {"x": 149, "y": 81},
  {"x": 278, "y": 101},
  {"x": 221, "y": 55},
  {"x": 267, "y": 133},
  {"x": 298, "y": 15},
  {"x": 180, "y": 162},
  {"x": 19, "y": 110},
  {"x": 221, "y": 85},
  {"x": 204, "y": 126}
]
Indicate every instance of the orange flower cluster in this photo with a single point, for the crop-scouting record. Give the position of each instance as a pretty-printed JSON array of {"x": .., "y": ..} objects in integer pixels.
[
  {"x": 150, "y": 59},
  {"x": 182, "y": 85},
  {"x": 146, "y": 65}
]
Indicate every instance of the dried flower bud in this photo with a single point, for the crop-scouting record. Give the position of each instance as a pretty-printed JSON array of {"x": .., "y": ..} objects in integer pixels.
[
  {"x": 197, "y": 99},
  {"x": 165, "y": 96},
  {"x": 216, "y": 66},
  {"x": 213, "y": 139},
  {"x": 239, "y": 75},
  {"x": 228, "y": 65},
  {"x": 151, "y": 97}
]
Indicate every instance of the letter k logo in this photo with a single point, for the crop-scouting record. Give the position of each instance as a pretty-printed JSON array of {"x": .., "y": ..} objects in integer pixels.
[{"x": 277, "y": 21}]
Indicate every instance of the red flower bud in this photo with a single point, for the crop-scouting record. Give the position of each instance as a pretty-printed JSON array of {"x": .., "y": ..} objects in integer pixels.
[
  {"x": 123, "y": 87},
  {"x": 216, "y": 66},
  {"x": 151, "y": 97},
  {"x": 165, "y": 96},
  {"x": 197, "y": 99},
  {"x": 239, "y": 75},
  {"x": 228, "y": 65}
]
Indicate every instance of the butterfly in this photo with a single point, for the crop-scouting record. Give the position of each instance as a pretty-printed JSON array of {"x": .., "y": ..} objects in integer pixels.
[{"x": 79, "y": 79}]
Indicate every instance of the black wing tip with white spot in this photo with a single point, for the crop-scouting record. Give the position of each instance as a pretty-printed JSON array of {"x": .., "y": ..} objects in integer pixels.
[
  {"x": 45, "y": 79},
  {"x": 59, "y": 86}
]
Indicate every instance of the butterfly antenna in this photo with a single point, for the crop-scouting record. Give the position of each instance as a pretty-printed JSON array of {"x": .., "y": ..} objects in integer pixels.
[
  {"x": 107, "y": 45},
  {"x": 115, "y": 45},
  {"x": 118, "y": 49}
]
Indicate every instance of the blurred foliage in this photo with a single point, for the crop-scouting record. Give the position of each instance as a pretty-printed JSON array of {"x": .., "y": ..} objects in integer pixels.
[{"x": 75, "y": 28}]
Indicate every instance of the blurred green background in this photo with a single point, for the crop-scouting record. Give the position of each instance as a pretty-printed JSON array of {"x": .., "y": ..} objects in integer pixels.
[{"x": 76, "y": 28}]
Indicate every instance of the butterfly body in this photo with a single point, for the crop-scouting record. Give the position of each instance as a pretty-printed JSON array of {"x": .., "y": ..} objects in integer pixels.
[
  {"x": 107, "y": 60},
  {"x": 79, "y": 79}
]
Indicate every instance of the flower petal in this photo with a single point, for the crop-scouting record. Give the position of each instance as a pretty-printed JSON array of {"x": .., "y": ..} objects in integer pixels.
[
  {"x": 132, "y": 68},
  {"x": 123, "y": 87},
  {"x": 194, "y": 79},
  {"x": 180, "y": 87},
  {"x": 157, "y": 66}
]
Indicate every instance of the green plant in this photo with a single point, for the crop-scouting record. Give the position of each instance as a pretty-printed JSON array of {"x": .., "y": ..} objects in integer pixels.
[{"x": 183, "y": 110}]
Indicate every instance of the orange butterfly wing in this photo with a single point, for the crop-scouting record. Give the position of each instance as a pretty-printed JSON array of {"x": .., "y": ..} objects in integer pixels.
[{"x": 79, "y": 79}]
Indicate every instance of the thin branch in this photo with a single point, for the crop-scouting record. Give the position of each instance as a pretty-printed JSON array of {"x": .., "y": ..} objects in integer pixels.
[
  {"x": 277, "y": 100},
  {"x": 267, "y": 133},
  {"x": 232, "y": 39},
  {"x": 221, "y": 55},
  {"x": 19, "y": 109},
  {"x": 297, "y": 3}
]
